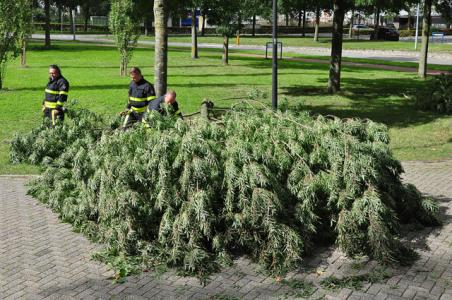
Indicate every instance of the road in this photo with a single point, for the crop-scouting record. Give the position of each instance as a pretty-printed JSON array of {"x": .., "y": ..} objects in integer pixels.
[{"x": 439, "y": 58}]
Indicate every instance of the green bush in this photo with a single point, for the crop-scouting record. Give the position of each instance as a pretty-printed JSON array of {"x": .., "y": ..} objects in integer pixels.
[
  {"x": 407, "y": 33},
  {"x": 193, "y": 194},
  {"x": 436, "y": 95}
]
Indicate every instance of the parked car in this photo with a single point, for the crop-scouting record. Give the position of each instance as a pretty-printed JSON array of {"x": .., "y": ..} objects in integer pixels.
[
  {"x": 385, "y": 33},
  {"x": 391, "y": 25},
  {"x": 361, "y": 27}
]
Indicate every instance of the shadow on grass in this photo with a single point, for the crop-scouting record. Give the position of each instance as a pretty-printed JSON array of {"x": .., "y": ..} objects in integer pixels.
[
  {"x": 380, "y": 99},
  {"x": 71, "y": 46},
  {"x": 80, "y": 87}
]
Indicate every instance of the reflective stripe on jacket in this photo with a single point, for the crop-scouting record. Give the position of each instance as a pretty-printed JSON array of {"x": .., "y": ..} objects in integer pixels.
[
  {"x": 56, "y": 92},
  {"x": 140, "y": 94}
]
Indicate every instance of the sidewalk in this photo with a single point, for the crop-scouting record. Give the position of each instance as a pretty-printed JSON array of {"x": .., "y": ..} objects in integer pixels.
[
  {"x": 40, "y": 257},
  {"x": 389, "y": 55}
]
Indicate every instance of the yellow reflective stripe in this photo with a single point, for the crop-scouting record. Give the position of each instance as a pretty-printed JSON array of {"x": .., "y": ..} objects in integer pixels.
[
  {"x": 48, "y": 104},
  {"x": 52, "y": 92},
  {"x": 139, "y": 109},
  {"x": 151, "y": 97},
  {"x": 60, "y": 103},
  {"x": 63, "y": 93},
  {"x": 137, "y": 99}
]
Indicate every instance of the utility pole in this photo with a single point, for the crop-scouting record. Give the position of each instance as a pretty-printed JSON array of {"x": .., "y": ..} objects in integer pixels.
[{"x": 275, "y": 57}]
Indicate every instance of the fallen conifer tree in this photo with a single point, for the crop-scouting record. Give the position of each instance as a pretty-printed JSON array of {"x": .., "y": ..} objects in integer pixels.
[{"x": 191, "y": 195}]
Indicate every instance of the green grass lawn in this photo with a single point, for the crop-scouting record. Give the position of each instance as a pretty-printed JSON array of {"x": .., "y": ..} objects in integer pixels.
[
  {"x": 296, "y": 41},
  {"x": 349, "y": 44},
  {"x": 93, "y": 74},
  {"x": 431, "y": 67}
]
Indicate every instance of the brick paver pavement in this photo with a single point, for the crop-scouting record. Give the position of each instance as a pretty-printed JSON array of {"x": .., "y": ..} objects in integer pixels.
[{"x": 40, "y": 257}]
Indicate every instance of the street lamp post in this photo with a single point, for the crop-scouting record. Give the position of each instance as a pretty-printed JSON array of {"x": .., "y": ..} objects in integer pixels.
[{"x": 275, "y": 57}]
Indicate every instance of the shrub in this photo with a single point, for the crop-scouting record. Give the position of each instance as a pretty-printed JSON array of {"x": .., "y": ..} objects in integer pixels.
[
  {"x": 407, "y": 33},
  {"x": 436, "y": 95}
]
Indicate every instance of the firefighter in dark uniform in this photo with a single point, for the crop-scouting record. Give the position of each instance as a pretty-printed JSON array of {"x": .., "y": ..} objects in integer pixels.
[
  {"x": 170, "y": 100},
  {"x": 141, "y": 92},
  {"x": 56, "y": 93}
]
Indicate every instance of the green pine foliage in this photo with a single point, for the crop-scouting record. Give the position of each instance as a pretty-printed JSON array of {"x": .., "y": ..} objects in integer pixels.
[
  {"x": 436, "y": 95},
  {"x": 192, "y": 194}
]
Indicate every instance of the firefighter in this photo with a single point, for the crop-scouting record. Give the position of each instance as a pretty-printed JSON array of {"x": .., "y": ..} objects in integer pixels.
[
  {"x": 56, "y": 94},
  {"x": 141, "y": 92},
  {"x": 170, "y": 100}
]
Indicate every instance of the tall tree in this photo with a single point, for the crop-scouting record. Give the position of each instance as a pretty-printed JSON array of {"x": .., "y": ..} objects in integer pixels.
[
  {"x": 123, "y": 23},
  {"x": 194, "y": 34},
  {"x": 9, "y": 33},
  {"x": 225, "y": 17},
  {"x": 86, "y": 7},
  {"x": 317, "y": 22},
  {"x": 47, "y": 43},
  {"x": 25, "y": 28},
  {"x": 95, "y": 8},
  {"x": 339, "y": 8},
  {"x": 70, "y": 5},
  {"x": 444, "y": 7},
  {"x": 426, "y": 22},
  {"x": 334, "y": 80},
  {"x": 352, "y": 20},
  {"x": 193, "y": 6},
  {"x": 261, "y": 8},
  {"x": 145, "y": 12},
  {"x": 319, "y": 6},
  {"x": 161, "y": 46}
]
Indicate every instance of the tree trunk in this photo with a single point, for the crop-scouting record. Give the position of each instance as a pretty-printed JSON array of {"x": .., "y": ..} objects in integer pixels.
[
  {"x": 60, "y": 9},
  {"x": 377, "y": 19},
  {"x": 317, "y": 23},
  {"x": 287, "y": 20},
  {"x": 47, "y": 24},
  {"x": 239, "y": 23},
  {"x": 350, "y": 30},
  {"x": 145, "y": 25},
  {"x": 203, "y": 29},
  {"x": 72, "y": 16},
  {"x": 123, "y": 66},
  {"x": 426, "y": 22},
  {"x": 23, "y": 52},
  {"x": 85, "y": 27},
  {"x": 409, "y": 19},
  {"x": 194, "y": 35},
  {"x": 254, "y": 26},
  {"x": 225, "y": 58},
  {"x": 300, "y": 15},
  {"x": 161, "y": 47},
  {"x": 304, "y": 22},
  {"x": 334, "y": 81}
]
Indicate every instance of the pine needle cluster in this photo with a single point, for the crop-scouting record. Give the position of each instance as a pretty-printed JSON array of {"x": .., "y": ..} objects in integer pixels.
[{"x": 191, "y": 195}]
